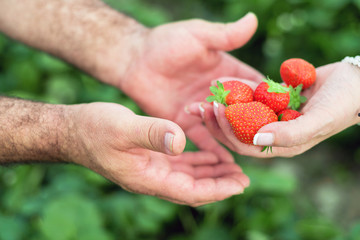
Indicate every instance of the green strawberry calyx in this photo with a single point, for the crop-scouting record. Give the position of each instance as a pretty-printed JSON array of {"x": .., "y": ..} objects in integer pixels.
[
  {"x": 275, "y": 87},
  {"x": 295, "y": 97},
  {"x": 219, "y": 94}
]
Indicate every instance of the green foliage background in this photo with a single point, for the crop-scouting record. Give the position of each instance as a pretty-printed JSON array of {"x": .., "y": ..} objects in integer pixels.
[{"x": 312, "y": 196}]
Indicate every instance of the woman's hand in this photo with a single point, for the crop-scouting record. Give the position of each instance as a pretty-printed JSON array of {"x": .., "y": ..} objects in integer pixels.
[{"x": 333, "y": 105}]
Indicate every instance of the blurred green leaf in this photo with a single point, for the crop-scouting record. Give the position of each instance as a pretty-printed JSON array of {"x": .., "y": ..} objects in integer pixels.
[
  {"x": 50, "y": 64},
  {"x": 158, "y": 209},
  {"x": 334, "y": 5},
  {"x": 317, "y": 229},
  {"x": 3, "y": 42},
  {"x": 119, "y": 209},
  {"x": 256, "y": 235},
  {"x": 212, "y": 233},
  {"x": 26, "y": 75},
  {"x": 25, "y": 181},
  {"x": 357, "y": 3},
  {"x": 12, "y": 228},
  {"x": 346, "y": 42},
  {"x": 62, "y": 89},
  {"x": 146, "y": 13},
  {"x": 271, "y": 180},
  {"x": 78, "y": 217},
  {"x": 25, "y": 95},
  {"x": 355, "y": 232}
]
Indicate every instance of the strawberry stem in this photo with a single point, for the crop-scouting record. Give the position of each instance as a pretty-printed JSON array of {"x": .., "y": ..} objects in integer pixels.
[{"x": 267, "y": 148}]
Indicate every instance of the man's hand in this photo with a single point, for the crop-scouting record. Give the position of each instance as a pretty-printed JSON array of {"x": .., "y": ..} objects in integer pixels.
[
  {"x": 175, "y": 65},
  {"x": 144, "y": 155},
  {"x": 163, "y": 69},
  {"x": 141, "y": 154}
]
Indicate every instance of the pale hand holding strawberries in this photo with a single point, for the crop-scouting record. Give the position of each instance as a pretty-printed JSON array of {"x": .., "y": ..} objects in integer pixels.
[
  {"x": 247, "y": 115},
  {"x": 332, "y": 105}
]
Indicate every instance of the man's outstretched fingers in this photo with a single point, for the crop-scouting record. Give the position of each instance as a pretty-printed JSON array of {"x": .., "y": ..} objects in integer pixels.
[
  {"x": 196, "y": 192},
  {"x": 196, "y": 158},
  {"x": 203, "y": 139}
]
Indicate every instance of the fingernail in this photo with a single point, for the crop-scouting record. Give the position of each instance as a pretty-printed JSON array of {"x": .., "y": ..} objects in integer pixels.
[
  {"x": 264, "y": 139},
  {"x": 216, "y": 108},
  {"x": 239, "y": 189},
  {"x": 169, "y": 140},
  {"x": 245, "y": 181},
  {"x": 202, "y": 110},
  {"x": 186, "y": 109},
  {"x": 249, "y": 13}
]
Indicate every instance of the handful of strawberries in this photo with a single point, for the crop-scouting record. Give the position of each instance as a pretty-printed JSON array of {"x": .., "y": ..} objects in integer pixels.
[{"x": 247, "y": 110}]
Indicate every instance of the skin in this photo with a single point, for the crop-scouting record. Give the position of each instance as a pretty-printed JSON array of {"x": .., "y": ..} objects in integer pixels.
[
  {"x": 333, "y": 105},
  {"x": 172, "y": 63}
]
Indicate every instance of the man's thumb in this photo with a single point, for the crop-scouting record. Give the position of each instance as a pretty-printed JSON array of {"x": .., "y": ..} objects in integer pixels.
[
  {"x": 225, "y": 37},
  {"x": 157, "y": 134}
]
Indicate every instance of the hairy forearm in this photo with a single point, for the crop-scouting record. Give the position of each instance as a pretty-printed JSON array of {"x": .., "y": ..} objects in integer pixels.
[
  {"x": 32, "y": 131},
  {"x": 86, "y": 33}
]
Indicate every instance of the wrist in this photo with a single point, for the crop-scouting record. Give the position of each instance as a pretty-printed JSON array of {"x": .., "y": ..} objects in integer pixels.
[
  {"x": 119, "y": 54},
  {"x": 75, "y": 135},
  {"x": 32, "y": 132},
  {"x": 352, "y": 60},
  {"x": 351, "y": 70}
]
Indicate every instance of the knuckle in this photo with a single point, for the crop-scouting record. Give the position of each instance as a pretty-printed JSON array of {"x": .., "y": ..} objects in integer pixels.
[
  {"x": 153, "y": 135},
  {"x": 290, "y": 138},
  {"x": 327, "y": 127}
]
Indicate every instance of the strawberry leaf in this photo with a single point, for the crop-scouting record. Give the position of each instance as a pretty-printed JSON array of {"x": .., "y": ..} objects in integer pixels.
[
  {"x": 220, "y": 86},
  {"x": 295, "y": 98},
  {"x": 219, "y": 94},
  {"x": 303, "y": 99},
  {"x": 213, "y": 90},
  {"x": 226, "y": 93},
  {"x": 211, "y": 98},
  {"x": 280, "y": 117}
]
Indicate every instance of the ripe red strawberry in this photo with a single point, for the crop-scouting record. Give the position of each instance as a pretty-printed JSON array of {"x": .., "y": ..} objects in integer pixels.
[
  {"x": 247, "y": 118},
  {"x": 288, "y": 114},
  {"x": 296, "y": 71},
  {"x": 272, "y": 94},
  {"x": 231, "y": 92},
  {"x": 277, "y": 96}
]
